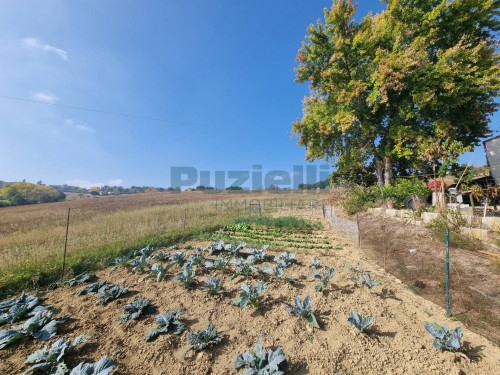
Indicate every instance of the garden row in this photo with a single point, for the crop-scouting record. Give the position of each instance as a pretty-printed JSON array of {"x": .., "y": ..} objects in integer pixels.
[{"x": 235, "y": 260}]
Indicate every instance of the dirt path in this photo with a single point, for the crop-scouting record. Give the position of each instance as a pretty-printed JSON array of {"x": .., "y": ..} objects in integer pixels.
[{"x": 397, "y": 344}]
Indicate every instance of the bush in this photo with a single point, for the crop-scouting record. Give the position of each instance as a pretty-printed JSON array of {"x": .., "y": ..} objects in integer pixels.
[
  {"x": 358, "y": 198},
  {"x": 403, "y": 188}
]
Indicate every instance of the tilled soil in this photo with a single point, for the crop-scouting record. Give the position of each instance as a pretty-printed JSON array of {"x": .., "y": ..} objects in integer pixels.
[{"x": 397, "y": 343}]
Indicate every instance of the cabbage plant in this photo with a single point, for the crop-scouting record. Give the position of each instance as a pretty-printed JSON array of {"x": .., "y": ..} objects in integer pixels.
[
  {"x": 51, "y": 361},
  {"x": 202, "y": 339},
  {"x": 258, "y": 362},
  {"x": 285, "y": 259},
  {"x": 16, "y": 309},
  {"x": 110, "y": 292},
  {"x": 368, "y": 280},
  {"x": 140, "y": 264},
  {"x": 187, "y": 276},
  {"x": 277, "y": 273},
  {"x": 259, "y": 254},
  {"x": 81, "y": 278},
  {"x": 444, "y": 338},
  {"x": 135, "y": 310},
  {"x": 166, "y": 322},
  {"x": 324, "y": 278},
  {"x": 245, "y": 268},
  {"x": 196, "y": 259},
  {"x": 360, "y": 322},
  {"x": 102, "y": 367},
  {"x": 179, "y": 258},
  {"x": 220, "y": 263},
  {"x": 41, "y": 327},
  {"x": 304, "y": 310},
  {"x": 213, "y": 286},
  {"x": 315, "y": 262},
  {"x": 250, "y": 295}
]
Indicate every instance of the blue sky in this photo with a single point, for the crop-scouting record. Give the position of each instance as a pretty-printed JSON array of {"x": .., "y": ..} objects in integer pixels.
[{"x": 220, "y": 71}]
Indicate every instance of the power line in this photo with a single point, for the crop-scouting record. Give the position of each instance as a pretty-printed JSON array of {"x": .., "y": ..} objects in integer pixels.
[{"x": 119, "y": 113}]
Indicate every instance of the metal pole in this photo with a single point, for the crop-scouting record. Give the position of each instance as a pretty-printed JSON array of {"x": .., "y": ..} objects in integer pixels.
[
  {"x": 447, "y": 274},
  {"x": 385, "y": 244},
  {"x": 65, "y": 246}
]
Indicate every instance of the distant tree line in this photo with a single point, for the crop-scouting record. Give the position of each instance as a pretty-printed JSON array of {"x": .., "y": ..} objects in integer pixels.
[
  {"x": 21, "y": 193},
  {"x": 321, "y": 185}
]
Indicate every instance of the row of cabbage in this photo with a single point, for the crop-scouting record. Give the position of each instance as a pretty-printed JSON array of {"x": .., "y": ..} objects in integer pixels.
[{"x": 237, "y": 259}]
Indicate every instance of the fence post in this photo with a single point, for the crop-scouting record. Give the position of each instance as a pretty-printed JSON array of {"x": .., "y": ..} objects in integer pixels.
[
  {"x": 185, "y": 214},
  {"x": 65, "y": 246},
  {"x": 359, "y": 234},
  {"x": 447, "y": 274}
]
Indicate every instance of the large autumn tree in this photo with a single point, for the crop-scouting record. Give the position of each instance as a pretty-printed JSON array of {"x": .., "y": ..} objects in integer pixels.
[{"x": 423, "y": 72}]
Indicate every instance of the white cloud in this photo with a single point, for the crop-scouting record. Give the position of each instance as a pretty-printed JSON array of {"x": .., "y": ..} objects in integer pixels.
[
  {"x": 88, "y": 184},
  {"x": 34, "y": 43},
  {"x": 117, "y": 182},
  {"x": 44, "y": 96},
  {"x": 80, "y": 127},
  {"x": 84, "y": 183}
]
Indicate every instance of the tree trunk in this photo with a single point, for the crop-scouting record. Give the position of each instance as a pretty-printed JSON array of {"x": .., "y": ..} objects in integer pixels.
[
  {"x": 388, "y": 170},
  {"x": 379, "y": 170}
]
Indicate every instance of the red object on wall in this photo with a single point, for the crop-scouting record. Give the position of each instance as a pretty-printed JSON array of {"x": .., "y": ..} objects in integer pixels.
[{"x": 435, "y": 185}]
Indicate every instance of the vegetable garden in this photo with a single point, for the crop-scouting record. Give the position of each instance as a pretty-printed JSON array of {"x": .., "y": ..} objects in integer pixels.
[{"x": 241, "y": 300}]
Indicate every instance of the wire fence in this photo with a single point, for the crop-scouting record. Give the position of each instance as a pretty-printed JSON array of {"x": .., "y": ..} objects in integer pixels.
[
  {"x": 342, "y": 224},
  {"x": 449, "y": 269}
]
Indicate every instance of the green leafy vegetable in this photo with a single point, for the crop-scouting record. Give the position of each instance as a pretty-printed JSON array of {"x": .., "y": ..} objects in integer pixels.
[
  {"x": 324, "y": 278},
  {"x": 81, "y": 278},
  {"x": 259, "y": 362},
  {"x": 187, "y": 276},
  {"x": 135, "y": 309},
  {"x": 315, "y": 262},
  {"x": 110, "y": 292},
  {"x": 16, "y": 309},
  {"x": 444, "y": 338},
  {"x": 213, "y": 286},
  {"x": 52, "y": 361},
  {"x": 359, "y": 321},
  {"x": 285, "y": 259},
  {"x": 277, "y": 273},
  {"x": 196, "y": 259},
  {"x": 245, "y": 268},
  {"x": 102, "y": 367},
  {"x": 220, "y": 263},
  {"x": 368, "y": 280},
  {"x": 166, "y": 322},
  {"x": 250, "y": 295},
  {"x": 202, "y": 339},
  {"x": 140, "y": 264},
  {"x": 304, "y": 310},
  {"x": 41, "y": 327}
]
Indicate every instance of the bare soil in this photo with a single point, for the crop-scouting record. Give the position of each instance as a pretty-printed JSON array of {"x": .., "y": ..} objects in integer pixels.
[
  {"x": 474, "y": 276},
  {"x": 397, "y": 343}
]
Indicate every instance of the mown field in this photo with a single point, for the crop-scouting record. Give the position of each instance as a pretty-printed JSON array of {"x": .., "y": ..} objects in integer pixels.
[
  {"x": 395, "y": 343},
  {"x": 32, "y": 237}
]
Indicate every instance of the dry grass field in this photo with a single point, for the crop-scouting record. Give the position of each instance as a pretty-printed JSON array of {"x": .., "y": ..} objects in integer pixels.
[{"x": 32, "y": 237}]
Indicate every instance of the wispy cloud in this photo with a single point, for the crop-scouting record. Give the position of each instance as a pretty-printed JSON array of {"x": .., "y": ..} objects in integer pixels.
[
  {"x": 34, "y": 43},
  {"x": 117, "y": 182},
  {"x": 44, "y": 96},
  {"x": 88, "y": 184},
  {"x": 83, "y": 128}
]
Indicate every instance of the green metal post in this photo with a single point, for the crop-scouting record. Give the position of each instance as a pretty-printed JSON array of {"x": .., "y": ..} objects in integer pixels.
[{"x": 447, "y": 273}]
